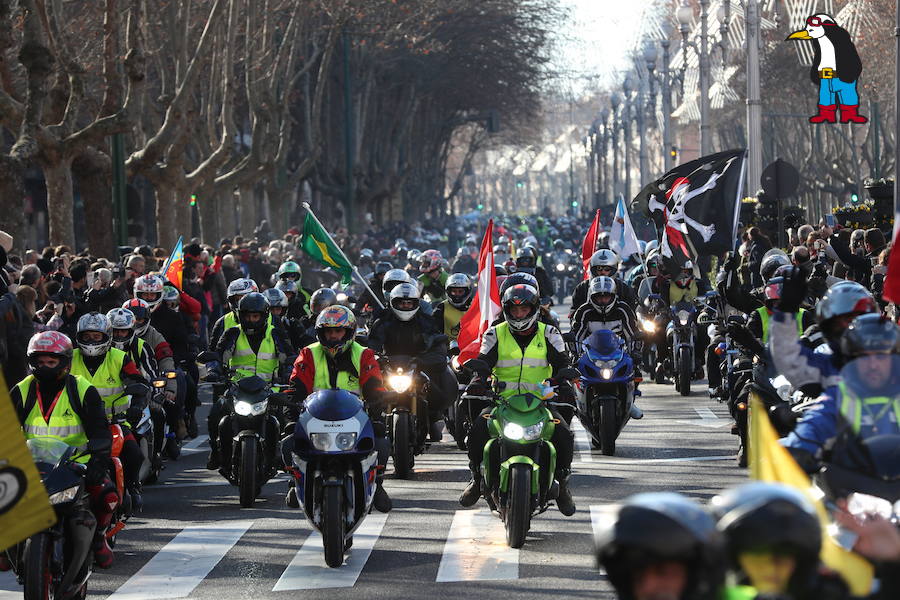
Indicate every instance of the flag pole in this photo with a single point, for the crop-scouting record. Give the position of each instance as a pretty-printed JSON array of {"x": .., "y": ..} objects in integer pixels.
[
  {"x": 737, "y": 201},
  {"x": 310, "y": 212}
]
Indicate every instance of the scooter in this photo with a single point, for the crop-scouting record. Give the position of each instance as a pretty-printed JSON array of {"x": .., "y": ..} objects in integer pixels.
[
  {"x": 334, "y": 466},
  {"x": 606, "y": 390}
]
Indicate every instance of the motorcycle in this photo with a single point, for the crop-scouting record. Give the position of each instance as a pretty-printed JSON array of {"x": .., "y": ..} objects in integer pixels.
[
  {"x": 519, "y": 458},
  {"x": 255, "y": 431},
  {"x": 653, "y": 316},
  {"x": 681, "y": 333},
  {"x": 565, "y": 275},
  {"x": 459, "y": 421},
  {"x": 334, "y": 464},
  {"x": 57, "y": 562},
  {"x": 605, "y": 391},
  {"x": 406, "y": 412}
]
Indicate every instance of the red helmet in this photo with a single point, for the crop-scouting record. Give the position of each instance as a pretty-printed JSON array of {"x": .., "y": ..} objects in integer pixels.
[{"x": 50, "y": 343}]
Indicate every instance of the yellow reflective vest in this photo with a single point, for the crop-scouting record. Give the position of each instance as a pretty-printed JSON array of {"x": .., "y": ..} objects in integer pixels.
[
  {"x": 64, "y": 423},
  {"x": 107, "y": 378},
  {"x": 764, "y": 317},
  {"x": 521, "y": 371},
  {"x": 452, "y": 317},
  {"x": 852, "y": 409},
  {"x": 246, "y": 363},
  {"x": 345, "y": 381}
]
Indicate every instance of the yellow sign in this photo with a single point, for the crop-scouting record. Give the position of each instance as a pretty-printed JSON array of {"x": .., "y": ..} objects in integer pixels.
[
  {"x": 24, "y": 506},
  {"x": 770, "y": 461}
]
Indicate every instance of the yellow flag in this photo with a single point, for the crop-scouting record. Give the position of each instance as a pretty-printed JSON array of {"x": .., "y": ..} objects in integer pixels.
[
  {"x": 770, "y": 461},
  {"x": 24, "y": 506}
]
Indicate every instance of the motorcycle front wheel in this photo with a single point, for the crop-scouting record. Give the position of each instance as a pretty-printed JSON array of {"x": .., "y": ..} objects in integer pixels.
[
  {"x": 685, "y": 366},
  {"x": 39, "y": 583},
  {"x": 402, "y": 447},
  {"x": 518, "y": 505},
  {"x": 608, "y": 427},
  {"x": 333, "y": 525},
  {"x": 247, "y": 483}
]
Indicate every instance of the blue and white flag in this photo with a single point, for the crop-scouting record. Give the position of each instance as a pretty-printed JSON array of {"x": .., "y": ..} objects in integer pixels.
[{"x": 622, "y": 239}]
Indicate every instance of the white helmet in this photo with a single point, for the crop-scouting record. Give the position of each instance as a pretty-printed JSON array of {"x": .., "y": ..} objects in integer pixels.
[
  {"x": 602, "y": 293},
  {"x": 393, "y": 278},
  {"x": 93, "y": 321},
  {"x": 239, "y": 288},
  {"x": 651, "y": 245},
  {"x": 604, "y": 258},
  {"x": 149, "y": 288},
  {"x": 401, "y": 297},
  {"x": 121, "y": 319}
]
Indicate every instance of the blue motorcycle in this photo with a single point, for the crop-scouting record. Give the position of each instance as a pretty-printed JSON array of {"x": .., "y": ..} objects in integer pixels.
[
  {"x": 333, "y": 464},
  {"x": 606, "y": 389}
]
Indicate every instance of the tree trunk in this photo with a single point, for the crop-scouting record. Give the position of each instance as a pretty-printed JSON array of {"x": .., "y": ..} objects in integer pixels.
[
  {"x": 207, "y": 206},
  {"x": 165, "y": 215},
  {"x": 225, "y": 203},
  {"x": 60, "y": 202},
  {"x": 182, "y": 203},
  {"x": 248, "y": 210},
  {"x": 93, "y": 175},
  {"x": 12, "y": 192}
]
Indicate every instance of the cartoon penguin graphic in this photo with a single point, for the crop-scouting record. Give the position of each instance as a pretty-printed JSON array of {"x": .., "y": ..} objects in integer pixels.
[{"x": 836, "y": 67}]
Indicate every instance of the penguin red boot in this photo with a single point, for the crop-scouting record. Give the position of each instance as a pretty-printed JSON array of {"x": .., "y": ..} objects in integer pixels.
[
  {"x": 827, "y": 114},
  {"x": 849, "y": 114}
]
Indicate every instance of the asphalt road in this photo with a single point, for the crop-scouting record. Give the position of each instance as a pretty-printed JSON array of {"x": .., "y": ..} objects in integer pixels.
[{"x": 193, "y": 540}]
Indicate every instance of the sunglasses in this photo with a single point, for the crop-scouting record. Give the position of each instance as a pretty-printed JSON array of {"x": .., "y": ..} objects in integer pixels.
[{"x": 817, "y": 22}]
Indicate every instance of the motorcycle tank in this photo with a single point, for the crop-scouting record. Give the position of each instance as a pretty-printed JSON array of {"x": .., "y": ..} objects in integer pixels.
[{"x": 332, "y": 405}]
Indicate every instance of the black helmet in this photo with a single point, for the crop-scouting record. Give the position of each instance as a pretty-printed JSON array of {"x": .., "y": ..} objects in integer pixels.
[
  {"x": 499, "y": 271},
  {"x": 516, "y": 279},
  {"x": 770, "y": 517},
  {"x": 870, "y": 334},
  {"x": 526, "y": 258},
  {"x": 558, "y": 244},
  {"x": 321, "y": 299},
  {"x": 771, "y": 262},
  {"x": 521, "y": 295},
  {"x": 382, "y": 267},
  {"x": 660, "y": 527},
  {"x": 254, "y": 302}
]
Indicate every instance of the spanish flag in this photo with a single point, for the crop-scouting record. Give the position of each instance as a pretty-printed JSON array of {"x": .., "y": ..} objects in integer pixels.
[
  {"x": 770, "y": 461},
  {"x": 174, "y": 267},
  {"x": 24, "y": 506}
]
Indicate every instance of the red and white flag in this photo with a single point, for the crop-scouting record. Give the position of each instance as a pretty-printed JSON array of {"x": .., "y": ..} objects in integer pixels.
[
  {"x": 589, "y": 245},
  {"x": 891, "y": 289},
  {"x": 485, "y": 306}
]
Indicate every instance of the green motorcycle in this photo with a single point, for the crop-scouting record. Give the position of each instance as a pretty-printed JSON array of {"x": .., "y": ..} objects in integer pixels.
[{"x": 519, "y": 458}]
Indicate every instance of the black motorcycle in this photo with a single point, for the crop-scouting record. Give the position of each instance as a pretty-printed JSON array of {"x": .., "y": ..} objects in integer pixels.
[
  {"x": 681, "y": 333},
  {"x": 406, "y": 411},
  {"x": 653, "y": 317},
  {"x": 57, "y": 562},
  {"x": 254, "y": 431}
]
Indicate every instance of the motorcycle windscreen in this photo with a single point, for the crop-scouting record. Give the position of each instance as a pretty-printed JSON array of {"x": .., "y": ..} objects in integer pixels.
[{"x": 604, "y": 341}]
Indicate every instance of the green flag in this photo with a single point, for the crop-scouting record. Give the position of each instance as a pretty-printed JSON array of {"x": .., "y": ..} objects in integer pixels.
[{"x": 318, "y": 244}]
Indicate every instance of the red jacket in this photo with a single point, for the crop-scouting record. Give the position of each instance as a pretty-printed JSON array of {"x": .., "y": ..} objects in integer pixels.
[{"x": 370, "y": 382}]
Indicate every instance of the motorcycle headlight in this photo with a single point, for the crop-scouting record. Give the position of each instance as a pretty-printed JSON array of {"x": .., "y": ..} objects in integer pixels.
[
  {"x": 560, "y": 267},
  {"x": 533, "y": 432},
  {"x": 454, "y": 362},
  {"x": 606, "y": 364},
  {"x": 606, "y": 373},
  {"x": 399, "y": 383},
  {"x": 321, "y": 441},
  {"x": 513, "y": 431},
  {"x": 345, "y": 441},
  {"x": 67, "y": 495},
  {"x": 648, "y": 326},
  {"x": 683, "y": 317},
  {"x": 864, "y": 504},
  {"x": 245, "y": 409}
]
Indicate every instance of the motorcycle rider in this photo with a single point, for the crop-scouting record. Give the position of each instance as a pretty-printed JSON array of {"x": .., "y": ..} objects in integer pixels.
[
  {"x": 278, "y": 305},
  {"x": 814, "y": 370},
  {"x": 465, "y": 263},
  {"x": 110, "y": 371},
  {"x": 405, "y": 330},
  {"x": 526, "y": 262},
  {"x": 661, "y": 545},
  {"x": 519, "y": 339},
  {"x": 868, "y": 405},
  {"x": 546, "y": 315},
  {"x": 433, "y": 278},
  {"x": 52, "y": 402},
  {"x": 604, "y": 310},
  {"x": 237, "y": 289},
  {"x": 603, "y": 262},
  {"x": 448, "y": 313},
  {"x": 253, "y": 347},
  {"x": 773, "y": 538},
  {"x": 291, "y": 271},
  {"x": 337, "y": 361},
  {"x": 367, "y": 300}
]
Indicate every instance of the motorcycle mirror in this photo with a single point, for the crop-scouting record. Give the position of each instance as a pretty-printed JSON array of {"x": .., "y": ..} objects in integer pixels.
[
  {"x": 136, "y": 389},
  {"x": 208, "y": 356}
]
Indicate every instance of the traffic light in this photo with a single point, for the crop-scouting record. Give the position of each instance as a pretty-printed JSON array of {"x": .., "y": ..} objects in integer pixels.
[
  {"x": 480, "y": 206},
  {"x": 574, "y": 203},
  {"x": 854, "y": 197},
  {"x": 673, "y": 152},
  {"x": 193, "y": 200},
  {"x": 520, "y": 184}
]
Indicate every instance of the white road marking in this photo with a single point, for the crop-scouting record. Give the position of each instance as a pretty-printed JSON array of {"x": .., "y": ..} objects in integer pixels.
[
  {"x": 582, "y": 441},
  {"x": 476, "y": 549},
  {"x": 194, "y": 445},
  {"x": 707, "y": 419},
  {"x": 642, "y": 461},
  {"x": 9, "y": 587},
  {"x": 196, "y": 484},
  {"x": 308, "y": 570},
  {"x": 183, "y": 563}
]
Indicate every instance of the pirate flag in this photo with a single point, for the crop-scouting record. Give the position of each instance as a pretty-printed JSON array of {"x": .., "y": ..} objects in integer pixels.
[{"x": 695, "y": 206}]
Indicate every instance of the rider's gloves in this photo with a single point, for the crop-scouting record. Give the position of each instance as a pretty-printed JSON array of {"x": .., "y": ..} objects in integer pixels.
[
  {"x": 96, "y": 470},
  {"x": 793, "y": 291}
]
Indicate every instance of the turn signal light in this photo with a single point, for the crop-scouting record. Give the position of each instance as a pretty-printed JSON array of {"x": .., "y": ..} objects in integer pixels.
[
  {"x": 742, "y": 406},
  {"x": 638, "y": 379}
]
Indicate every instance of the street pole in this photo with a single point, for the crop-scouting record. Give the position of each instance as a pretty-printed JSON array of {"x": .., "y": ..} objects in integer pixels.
[
  {"x": 349, "y": 158},
  {"x": 754, "y": 103},
  {"x": 642, "y": 149},
  {"x": 705, "y": 139},
  {"x": 666, "y": 106},
  {"x": 897, "y": 116},
  {"x": 120, "y": 195}
]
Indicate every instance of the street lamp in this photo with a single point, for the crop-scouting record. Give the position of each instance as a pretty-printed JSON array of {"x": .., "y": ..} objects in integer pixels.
[
  {"x": 615, "y": 100},
  {"x": 754, "y": 102},
  {"x": 627, "y": 86},
  {"x": 685, "y": 15},
  {"x": 666, "y": 90}
]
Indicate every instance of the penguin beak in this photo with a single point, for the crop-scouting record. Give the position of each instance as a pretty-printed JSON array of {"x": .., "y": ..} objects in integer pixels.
[{"x": 799, "y": 35}]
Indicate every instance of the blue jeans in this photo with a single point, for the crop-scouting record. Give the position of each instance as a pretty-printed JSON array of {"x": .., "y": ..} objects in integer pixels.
[{"x": 834, "y": 91}]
